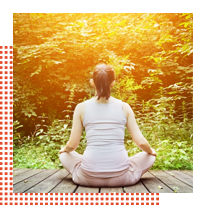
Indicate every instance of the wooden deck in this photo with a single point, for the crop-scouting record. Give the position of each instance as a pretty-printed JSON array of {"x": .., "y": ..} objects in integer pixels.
[{"x": 59, "y": 181}]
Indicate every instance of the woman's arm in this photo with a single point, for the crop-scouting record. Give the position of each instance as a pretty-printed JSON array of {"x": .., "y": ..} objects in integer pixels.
[
  {"x": 135, "y": 132},
  {"x": 76, "y": 131}
]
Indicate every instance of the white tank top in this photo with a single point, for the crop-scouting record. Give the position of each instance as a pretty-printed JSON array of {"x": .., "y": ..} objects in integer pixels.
[{"x": 104, "y": 126}]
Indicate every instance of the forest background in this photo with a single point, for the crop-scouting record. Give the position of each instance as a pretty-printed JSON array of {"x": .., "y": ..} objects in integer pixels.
[{"x": 54, "y": 56}]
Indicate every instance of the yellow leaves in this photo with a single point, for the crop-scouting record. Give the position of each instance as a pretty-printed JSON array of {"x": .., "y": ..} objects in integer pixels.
[
  {"x": 80, "y": 24},
  {"x": 188, "y": 15},
  {"x": 36, "y": 14},
  {"x": 122, "y": 23},
  {"x": 37, "y": 71},
  {"x": 103, "y": 21},
  {"x": 111, "y": 34},
  {"x": 186, "y": 24}
]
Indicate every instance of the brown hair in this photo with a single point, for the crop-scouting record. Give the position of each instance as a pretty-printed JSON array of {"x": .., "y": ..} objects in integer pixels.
[{"x": 103, "y": 76}]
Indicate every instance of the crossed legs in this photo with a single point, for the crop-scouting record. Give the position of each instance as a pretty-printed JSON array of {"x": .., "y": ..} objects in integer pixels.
[{"x": 139, "y": 164}]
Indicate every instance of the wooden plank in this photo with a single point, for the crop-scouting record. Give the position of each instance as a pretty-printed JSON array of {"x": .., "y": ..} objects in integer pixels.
[
  {"x": 152, "y": 184},
  {"x": 181, "y": 176},
  {"x": 49, "y": 183},
  {"x": 137, "y": 188},
  {"x": 65, "y": 186},
  {"x": 19, "y": 171},
  {"x": 82, "y": 189},
  {"x": 45, "y": 181},
  {"x": 111, "y": 190},
  {"x": 22, "y": 186},
  {"x": 25, "y": 175},
  {"x": 189, "y": 172},
  {"x": 172, "y": 182}
]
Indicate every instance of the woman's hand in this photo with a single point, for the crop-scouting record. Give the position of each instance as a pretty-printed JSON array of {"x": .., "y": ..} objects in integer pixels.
[
  {"x": 62, "y": 150},
  {"x": 153, "y": 152}
]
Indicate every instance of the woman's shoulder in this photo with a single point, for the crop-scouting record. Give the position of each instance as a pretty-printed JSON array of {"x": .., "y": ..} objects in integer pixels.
[
  {"x": 80, "y": 106},
  {"x": 124, "y": 104},
  {"x": 126, "y": 107}
]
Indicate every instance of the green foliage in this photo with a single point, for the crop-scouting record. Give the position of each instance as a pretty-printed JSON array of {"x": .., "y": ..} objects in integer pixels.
[
  {"x": 55, "y": 51},
  {"x": 152, "y": 54},
  {"x": 52, "y": 140},
  {"x": 17, "y": 138},
  {"x": 56, "y": 137},
  {"x": 174, "y": 149},
  {"x": 174, "y": 155},
  {"x": 33, "y": 157}
]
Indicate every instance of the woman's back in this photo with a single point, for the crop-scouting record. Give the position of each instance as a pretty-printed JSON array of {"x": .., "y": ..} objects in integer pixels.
[
  {"x": 104, "y": 125},
  {"x": 105, "y": 161}
]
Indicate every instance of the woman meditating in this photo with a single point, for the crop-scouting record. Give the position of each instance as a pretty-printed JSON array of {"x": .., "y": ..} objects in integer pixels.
[{"x": 105, "y": 162}]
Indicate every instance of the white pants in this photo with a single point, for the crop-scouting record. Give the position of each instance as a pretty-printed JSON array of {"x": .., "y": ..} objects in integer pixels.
[{"x": 139, "y": 164}]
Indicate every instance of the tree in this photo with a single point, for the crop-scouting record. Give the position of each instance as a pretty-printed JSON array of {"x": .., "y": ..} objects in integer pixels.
[{"x": 54, "y": 53}]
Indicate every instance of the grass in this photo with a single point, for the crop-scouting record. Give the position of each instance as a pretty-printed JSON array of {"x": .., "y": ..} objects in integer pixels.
[
  {"x": 172, "y": 142},
  {"x": 33, "y": 157},
  {"x": 170, "y": 155}
]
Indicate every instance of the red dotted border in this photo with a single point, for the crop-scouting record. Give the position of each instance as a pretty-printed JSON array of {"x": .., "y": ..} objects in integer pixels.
[{"x": 6, "y": 158}]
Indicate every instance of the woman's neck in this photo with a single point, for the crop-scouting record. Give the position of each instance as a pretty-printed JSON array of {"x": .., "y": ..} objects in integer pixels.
[{"x": 103, "y": 99}]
